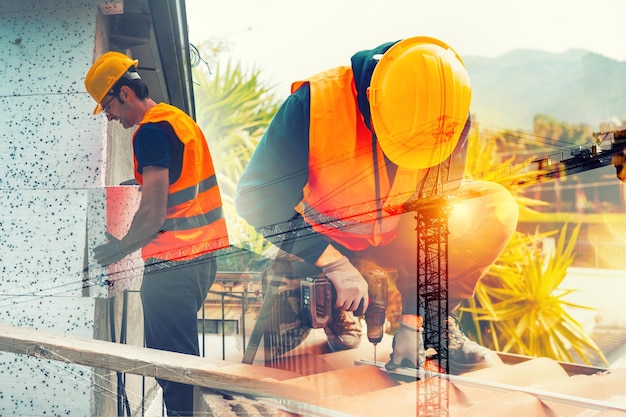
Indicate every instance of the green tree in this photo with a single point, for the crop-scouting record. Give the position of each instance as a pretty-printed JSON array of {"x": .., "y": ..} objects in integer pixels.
[{"x": 553, "y": 133}]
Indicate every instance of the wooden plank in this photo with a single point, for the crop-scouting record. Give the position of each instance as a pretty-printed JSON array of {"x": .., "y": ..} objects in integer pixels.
[{"x": 137, "y": 360}]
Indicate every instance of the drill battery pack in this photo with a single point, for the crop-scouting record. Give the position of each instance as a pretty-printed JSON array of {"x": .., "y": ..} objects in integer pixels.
[{"x": 316, "y": 302}]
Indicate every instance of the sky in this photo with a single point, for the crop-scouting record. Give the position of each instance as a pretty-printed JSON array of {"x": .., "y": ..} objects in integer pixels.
[{"x": 290, "y": 39}]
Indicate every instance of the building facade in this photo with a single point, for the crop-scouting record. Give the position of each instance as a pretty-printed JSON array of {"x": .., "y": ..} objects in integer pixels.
[{"x": 58, "y": 164}]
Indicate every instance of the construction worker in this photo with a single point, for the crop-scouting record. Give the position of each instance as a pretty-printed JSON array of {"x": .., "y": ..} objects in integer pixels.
[
  {"x": 178, "y": 224},
  {"x": 343, "y": 151}
]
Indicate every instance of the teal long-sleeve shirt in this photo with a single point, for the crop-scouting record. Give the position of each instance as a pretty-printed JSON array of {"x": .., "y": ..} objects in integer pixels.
[{"x": 272, "y": 183}]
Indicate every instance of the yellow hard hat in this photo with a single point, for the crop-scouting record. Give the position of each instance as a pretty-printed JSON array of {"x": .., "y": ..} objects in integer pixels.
[
  {"x": 104, "y": 73},
  {"x": 419, "y": 97}
]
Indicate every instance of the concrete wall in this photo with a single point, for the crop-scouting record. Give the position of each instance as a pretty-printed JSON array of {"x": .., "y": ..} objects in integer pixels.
[{"x": 52, "y": 173}]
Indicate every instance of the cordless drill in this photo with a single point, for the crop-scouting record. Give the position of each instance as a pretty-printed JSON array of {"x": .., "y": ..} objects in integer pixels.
[{"x": 318, "y": 297}]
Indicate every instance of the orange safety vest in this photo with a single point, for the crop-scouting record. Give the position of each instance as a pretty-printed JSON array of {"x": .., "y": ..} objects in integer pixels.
[
  {"x": 194, "y": 223},
  {"x": 340, "y": 197}
]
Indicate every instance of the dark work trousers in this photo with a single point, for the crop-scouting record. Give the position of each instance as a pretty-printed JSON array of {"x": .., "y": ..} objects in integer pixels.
[{"x": 171, "y": 295}]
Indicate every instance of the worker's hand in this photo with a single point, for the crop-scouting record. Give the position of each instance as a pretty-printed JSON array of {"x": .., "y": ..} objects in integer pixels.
[
  {"x": 110, "y": 252},
  {"x": 349, "y": 284},
  {"x": 408, "y": 348}
]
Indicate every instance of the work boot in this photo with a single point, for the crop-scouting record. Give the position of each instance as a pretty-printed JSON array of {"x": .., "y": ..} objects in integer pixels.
[
  {"x": 465, "y": 355},
  {"x": 408, "y": 346},
  {"x": 343, "y": 331}
]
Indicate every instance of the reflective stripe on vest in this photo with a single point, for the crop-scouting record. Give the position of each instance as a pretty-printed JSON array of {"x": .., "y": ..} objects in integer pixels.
[
  {"x": 190, "y": 193},
  {"x": 194, "y": 223}
]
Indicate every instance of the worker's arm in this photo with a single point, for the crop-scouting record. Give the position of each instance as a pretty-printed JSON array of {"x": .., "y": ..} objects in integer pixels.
[
  {"x": 155, "y": 147},
  {"x": 150, "y": 215},
  {"x": 271, "y": 187},
  {"x": 272, "y": 183},
  {"x": 146, "y": 223}
]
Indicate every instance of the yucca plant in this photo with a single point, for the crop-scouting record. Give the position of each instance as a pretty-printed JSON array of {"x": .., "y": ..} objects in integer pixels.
[{"x": 520, "y": 307}]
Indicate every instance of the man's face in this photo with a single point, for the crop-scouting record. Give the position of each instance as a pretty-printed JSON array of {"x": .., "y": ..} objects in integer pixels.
[{"x": 115, "y": 108}]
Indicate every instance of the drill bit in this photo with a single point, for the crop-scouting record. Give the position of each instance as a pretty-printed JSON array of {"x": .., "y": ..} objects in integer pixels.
[{"x": 375, "y": 314}]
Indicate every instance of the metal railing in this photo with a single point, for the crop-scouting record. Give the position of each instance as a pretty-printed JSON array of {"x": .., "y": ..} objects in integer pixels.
[{"x": 245, "y": 298}]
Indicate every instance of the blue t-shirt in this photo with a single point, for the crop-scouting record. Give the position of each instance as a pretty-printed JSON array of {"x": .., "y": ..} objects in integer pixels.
[{"x": 156, "y": 144}]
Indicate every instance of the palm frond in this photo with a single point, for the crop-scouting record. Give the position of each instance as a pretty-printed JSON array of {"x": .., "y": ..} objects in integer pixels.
[{"x": 233, "y": 110}]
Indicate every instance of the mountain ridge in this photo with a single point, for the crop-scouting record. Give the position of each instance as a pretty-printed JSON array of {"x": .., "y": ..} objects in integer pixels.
[{"x": 574, "y": 86}]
